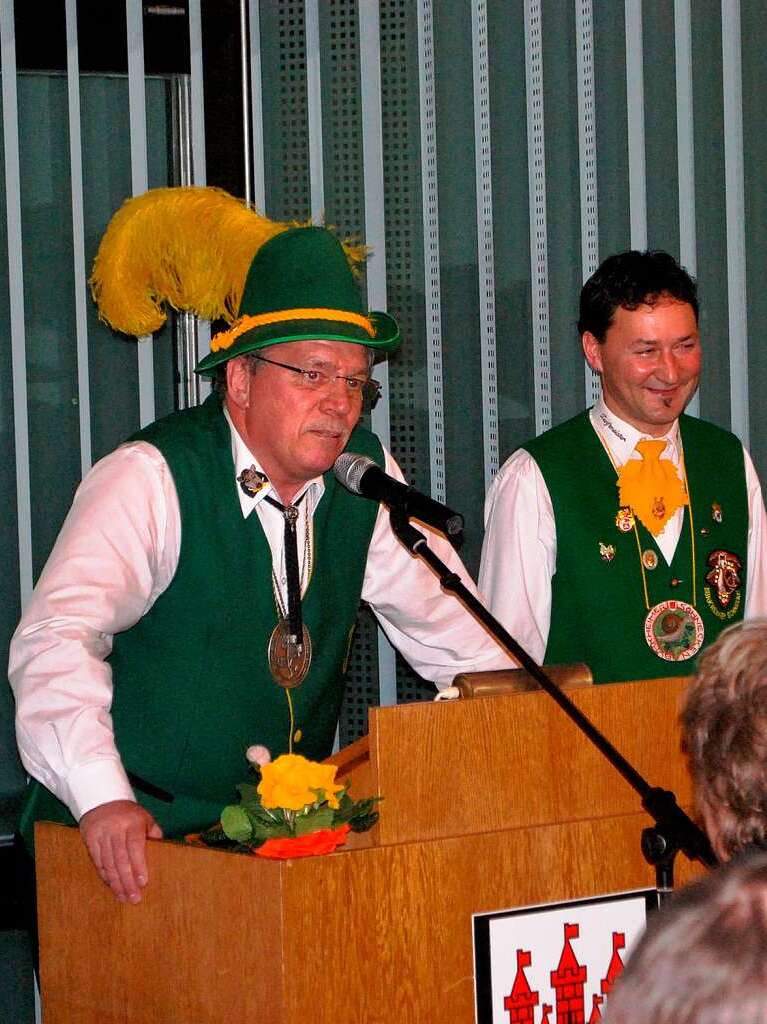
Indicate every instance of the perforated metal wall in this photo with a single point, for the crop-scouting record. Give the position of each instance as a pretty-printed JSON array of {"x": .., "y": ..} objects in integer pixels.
[{"x": 285, "y": 109}]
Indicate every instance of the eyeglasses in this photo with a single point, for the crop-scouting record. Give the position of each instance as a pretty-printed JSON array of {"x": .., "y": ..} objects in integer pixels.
[{"x": 317, "y": 380}]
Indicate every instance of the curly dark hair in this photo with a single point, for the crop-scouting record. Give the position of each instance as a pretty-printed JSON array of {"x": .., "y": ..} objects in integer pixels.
[
  {"x": 630, "y": 279},
  {"x": 724, "y": 734}
]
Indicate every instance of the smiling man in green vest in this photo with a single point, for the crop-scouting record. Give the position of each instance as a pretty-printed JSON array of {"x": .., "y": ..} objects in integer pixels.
[
  {"x": 629, "y": 536},
  {"x": 203, "y": 592}
]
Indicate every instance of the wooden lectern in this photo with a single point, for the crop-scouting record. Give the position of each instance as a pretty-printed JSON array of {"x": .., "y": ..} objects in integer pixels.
[{"x": 488, "y": 804}]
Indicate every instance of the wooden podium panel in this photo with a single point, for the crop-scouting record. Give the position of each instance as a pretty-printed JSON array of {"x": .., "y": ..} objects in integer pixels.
[
  {"x": 362, "y": 937},
  {"x": 502, "y": 762},
  {"x": 488, "y": 805}
]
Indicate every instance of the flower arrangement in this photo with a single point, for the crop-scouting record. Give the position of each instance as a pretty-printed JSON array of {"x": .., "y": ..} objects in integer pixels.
[{"x": 296, "y": 810}]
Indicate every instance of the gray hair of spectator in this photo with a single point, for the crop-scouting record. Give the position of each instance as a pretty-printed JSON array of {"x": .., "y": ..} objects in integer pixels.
[
  {"x": 703, "y": 956},
  {"x": 724, "y": 734}
]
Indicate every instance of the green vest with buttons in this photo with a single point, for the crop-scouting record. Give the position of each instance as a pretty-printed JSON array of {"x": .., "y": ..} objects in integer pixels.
[
  {"x": 192, "y": 687},
  {"x": 598, "y": 590}
]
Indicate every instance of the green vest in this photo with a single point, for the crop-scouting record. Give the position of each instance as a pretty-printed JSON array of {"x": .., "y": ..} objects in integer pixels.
[
  {"x": 192, "y": 687},
  {"x": 598, "y": 603}
]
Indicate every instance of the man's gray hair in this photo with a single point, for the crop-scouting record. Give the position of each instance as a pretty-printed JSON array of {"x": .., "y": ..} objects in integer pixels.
[
  {"x": 703, "y": 957},
  {"x": 724, "y": 734}
]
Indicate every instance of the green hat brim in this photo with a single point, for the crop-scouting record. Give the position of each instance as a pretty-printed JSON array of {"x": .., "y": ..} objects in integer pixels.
[{"x": 385, "y": 339}]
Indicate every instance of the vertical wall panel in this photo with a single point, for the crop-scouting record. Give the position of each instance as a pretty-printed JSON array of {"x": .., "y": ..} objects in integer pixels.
[
  {"x": 734, "y": 201},
  {"x": 536, "y": 162},
  {"x": 256, "y": 108},
  {"x": 563, "y": 209},
  {"x": 710, "y": 209},
  {"x": 612, "y": 128},
  {"x": 78, "y": 236},
  {"x": 16, "y": 290},
  {"x": 139, "y": 180},
  {"x": 405, "y": 262},
  {"x": 285, "y": 110},
  {"x": 314, "y": 109},
  {"x": 199, "y": 171},
  {"x": 341, "y": 146},
  {"x": 483, "y": 169},
  {"x": 247, "y": 112},
  {"x": 754, "y": 68},
  {"x": 587, "y": 162},
  {"x": 375, "y": 236},
  {"x": 50, "y": 307},
  {"x": 15, "y": 531},
  {"x": 686, "y": 148},
  {"x": 430, "y": 210},
  {"x": 661, "y": 148},
  {"x": 636, "y": 133},
  {"x": 684, "y": 130},
  {"x": 511, "y": 225},
  {"x": 460, "y": 347}
]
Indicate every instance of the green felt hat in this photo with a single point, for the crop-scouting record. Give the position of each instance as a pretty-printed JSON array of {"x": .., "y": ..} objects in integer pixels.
[{"x": 300, "y": 287}]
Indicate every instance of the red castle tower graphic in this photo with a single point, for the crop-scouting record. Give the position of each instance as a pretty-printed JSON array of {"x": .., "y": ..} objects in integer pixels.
[
  {"x": 546, "y": 1008},
  {"x": 596, "y": 1013},
  {"x": 568, "y": 981},
  {"x": 521, "y": 1002},
  {"x": 616, "y": 964}
]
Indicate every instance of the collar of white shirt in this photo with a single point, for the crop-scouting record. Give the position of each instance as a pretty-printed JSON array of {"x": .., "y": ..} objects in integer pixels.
[
  {"x": 244, "y": 458},
  {"x": 621, "y": 438}
]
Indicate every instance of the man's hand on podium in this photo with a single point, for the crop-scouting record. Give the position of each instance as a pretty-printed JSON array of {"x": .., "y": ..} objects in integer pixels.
[{"x": 115, "y": 834}]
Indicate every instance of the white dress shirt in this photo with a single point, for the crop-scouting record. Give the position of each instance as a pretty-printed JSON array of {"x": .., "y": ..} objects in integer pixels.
[
  {"x": 118, "y": 551},
  {"x": 519, "y": 555}
]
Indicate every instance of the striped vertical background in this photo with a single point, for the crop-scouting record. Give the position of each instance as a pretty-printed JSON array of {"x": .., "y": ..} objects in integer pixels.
[{"x": 491, "y": 154}]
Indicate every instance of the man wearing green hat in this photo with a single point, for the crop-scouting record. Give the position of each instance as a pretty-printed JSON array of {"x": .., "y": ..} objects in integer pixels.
[{"x": 202, "y": 594}]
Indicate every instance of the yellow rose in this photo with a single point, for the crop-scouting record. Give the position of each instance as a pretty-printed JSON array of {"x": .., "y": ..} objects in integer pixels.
[{"x": 289, "y": 781}]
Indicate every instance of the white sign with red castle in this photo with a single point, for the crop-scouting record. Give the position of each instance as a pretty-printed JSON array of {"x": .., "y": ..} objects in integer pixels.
[{"x": 554, "y": 964}]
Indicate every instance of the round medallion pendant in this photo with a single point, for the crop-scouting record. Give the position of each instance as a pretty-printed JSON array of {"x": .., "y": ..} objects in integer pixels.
[
  {"x": 289, "y": 662},
  {"x": 674, "y": 630}
]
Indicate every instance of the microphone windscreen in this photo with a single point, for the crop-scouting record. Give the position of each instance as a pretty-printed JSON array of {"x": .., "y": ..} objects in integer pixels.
[{"x": 349, "y": 468}]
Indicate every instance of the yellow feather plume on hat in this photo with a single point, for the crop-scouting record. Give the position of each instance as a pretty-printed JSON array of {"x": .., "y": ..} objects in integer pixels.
[{"x": 189, "y": 247}]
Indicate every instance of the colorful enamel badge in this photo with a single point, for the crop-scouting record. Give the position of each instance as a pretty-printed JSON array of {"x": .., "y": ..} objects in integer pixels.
[
  {"x": 716, "y": 512},
  {"x": 723, "y": 578},
  {"x": 606, "y": 552},
  {"x": 674, "y": 630},
  {"x": 649, "y": 559},
  {"x": 252, "y": 481},
  {"x": 624, "y": 520}
]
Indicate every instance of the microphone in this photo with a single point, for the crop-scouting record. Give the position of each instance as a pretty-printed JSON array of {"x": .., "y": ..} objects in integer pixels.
[{"x": 361, "y": 475}]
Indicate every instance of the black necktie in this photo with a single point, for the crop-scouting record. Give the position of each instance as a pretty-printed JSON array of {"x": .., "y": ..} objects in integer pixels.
[{"x": 290, "y": 514}]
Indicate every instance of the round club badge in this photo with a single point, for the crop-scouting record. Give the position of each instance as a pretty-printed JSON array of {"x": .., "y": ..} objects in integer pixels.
[
  {"x": 674, "y": 630},
  {"x": 289, "y": 662}
]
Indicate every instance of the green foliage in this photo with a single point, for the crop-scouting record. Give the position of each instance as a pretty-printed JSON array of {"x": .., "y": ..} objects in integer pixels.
[{"x": 235, "y": 822}]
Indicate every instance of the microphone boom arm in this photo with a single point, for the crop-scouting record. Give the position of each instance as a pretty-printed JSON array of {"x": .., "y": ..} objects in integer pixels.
[{"x": 674, "y": 830}]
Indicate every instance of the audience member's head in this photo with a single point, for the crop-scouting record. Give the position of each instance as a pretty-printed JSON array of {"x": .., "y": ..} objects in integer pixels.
[
  {"x": 724, "y": 734},
  {"x": 703, "y": 957}
]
